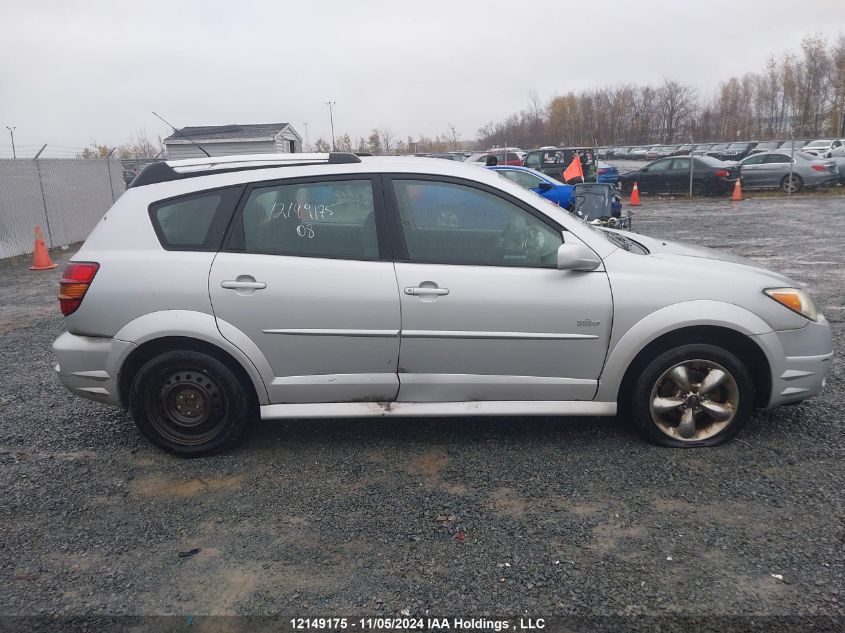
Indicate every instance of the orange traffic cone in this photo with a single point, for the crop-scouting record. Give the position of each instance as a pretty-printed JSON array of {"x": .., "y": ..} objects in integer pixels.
[
  {"x": 635, "y": 196},
  {"x": 737, "y": 194},
  {"x": 41, "y": 259}
]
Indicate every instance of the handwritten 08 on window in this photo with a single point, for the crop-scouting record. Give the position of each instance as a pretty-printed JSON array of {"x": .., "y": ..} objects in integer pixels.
[{"x": 322, "y": 219}]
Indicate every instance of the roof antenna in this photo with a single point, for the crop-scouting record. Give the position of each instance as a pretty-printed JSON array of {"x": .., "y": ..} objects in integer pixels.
[{"x": 180, "y": 133}]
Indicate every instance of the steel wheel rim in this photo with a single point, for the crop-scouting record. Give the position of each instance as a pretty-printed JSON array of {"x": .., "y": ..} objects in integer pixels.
[
  {"x": 694, "y": 400},
  {"x": 187, "y": 406}
]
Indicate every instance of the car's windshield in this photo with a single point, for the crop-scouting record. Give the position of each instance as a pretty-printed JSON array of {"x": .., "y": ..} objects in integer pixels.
[
  {"x": 737, "y": 145},
  {"x": 817, "y": 144}
]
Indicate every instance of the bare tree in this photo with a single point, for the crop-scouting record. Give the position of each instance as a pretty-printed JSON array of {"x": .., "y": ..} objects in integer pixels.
[
  {"x": 387, "y": 138},
  {"x": 141, "y": 146},
  {"x": 454, "y": 136}
]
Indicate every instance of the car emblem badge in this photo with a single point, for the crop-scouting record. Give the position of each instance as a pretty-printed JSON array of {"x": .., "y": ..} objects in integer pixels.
[{"x": 589, "y": 323}]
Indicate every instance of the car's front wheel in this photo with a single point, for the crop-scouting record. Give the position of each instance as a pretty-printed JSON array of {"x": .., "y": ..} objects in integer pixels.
[
  {"x": 190, "y": 403},
  {"x": 693, "y": 395}
]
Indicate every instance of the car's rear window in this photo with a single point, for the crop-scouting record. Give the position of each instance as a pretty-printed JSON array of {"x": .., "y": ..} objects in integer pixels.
[{"x": 196, "y": 222}]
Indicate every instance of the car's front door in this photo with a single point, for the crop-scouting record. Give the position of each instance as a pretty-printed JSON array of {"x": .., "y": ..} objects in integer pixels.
[
  {"x": 486, "y": 315},
  {"x": 306, "y": 278},
  {"x": 656, "y": 176}
]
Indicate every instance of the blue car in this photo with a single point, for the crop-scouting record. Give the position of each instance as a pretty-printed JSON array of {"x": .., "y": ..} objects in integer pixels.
[
  {"x": 537, "y": 182},
  {"x": 607, "y": 173}
]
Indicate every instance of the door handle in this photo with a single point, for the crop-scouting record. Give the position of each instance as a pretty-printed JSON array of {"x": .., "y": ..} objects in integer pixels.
[
  {"x": 423, "y": 290},
  {"x": 233, "y": 284}
]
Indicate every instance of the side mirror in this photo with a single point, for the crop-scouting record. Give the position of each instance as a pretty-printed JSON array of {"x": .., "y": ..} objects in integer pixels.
[
  {"x": 544, "y": 186},
  {"x": 576, "y": 257}
]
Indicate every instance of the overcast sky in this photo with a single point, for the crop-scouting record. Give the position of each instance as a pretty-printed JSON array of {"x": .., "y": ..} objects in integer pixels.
[{"x": 75, "y": 71}]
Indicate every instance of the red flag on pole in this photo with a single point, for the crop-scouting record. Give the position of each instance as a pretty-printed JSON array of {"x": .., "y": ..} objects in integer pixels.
[{"x": 574, "y": 170}]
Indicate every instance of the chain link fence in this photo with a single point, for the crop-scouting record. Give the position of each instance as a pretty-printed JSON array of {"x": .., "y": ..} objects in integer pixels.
[{"x": 67, "y": 197}]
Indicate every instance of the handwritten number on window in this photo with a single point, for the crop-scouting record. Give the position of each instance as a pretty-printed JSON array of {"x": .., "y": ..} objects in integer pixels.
[{"x": 305, "y": 230}]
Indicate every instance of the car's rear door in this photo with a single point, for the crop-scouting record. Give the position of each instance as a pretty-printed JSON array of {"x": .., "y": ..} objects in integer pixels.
[
  {"x": 775, "y": 166},
  {"x": 486, "y": 315},
  {"x": 306, "y": 276}
]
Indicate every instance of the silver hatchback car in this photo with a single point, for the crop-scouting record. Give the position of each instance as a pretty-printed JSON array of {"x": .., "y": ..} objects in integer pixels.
[{"x": 219, "y": 290}]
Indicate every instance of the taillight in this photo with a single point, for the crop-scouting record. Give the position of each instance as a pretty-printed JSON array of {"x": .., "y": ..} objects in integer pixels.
[
  {"x": 602, "y": 172},
  {"x": 819, "y": 167},
  {"x": 722, "y": 173},
  {"x": 74, "y": 284}
]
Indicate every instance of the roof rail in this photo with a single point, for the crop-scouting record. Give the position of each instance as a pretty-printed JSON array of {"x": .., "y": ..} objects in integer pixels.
[{"x": 165, "y": 171}]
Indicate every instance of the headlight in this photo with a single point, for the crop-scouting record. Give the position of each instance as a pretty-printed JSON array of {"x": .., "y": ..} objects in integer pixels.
[{"x": 796, "y": 300}]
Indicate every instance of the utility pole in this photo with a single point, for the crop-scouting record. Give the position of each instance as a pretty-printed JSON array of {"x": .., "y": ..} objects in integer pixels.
[
  {"x": 12, "y": 134},
  {"x": 307, "y": 143},
  {"x": 331, "y": 105}
]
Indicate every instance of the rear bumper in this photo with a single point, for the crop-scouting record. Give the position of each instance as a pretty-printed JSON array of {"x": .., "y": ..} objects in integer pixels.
[
  {"x": 800, "y": 360},
  {"x": 88, "y": 365}
]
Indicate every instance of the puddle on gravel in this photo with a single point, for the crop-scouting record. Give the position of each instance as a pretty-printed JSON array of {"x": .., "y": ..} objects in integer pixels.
[
  {"x": 429, "y": 464},
  {"x": 156, "y": 486}
]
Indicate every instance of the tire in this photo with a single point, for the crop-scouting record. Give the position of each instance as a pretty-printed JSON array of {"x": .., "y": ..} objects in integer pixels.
[
  {"x": 190, "y": 404},
  {"x": 797, "y": 185},
  {"x": 698, "y": 189},
  {"x": 664, "y": 412}
]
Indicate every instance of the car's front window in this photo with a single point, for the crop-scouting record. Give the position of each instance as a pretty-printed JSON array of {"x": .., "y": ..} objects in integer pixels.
[{"x": 449, "y": 223}]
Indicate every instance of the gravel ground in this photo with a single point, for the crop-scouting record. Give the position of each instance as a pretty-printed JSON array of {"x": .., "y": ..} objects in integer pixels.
[{"x": 468, "y": 517}]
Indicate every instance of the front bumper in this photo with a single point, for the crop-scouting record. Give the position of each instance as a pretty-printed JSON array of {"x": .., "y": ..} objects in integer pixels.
[
  {"x": 799, "y": 359},
  {"x": 88, "y": 365}
]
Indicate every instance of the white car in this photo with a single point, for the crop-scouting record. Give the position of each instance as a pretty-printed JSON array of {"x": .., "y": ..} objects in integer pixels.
[{"x": 822, "y": 147}]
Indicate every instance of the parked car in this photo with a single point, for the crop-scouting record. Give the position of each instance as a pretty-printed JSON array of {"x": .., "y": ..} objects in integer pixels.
[
  {"x": 764, "y": 146},
  {"x": 660, "y": 151},
  {"x": 619, "y": 152},
  {"x": 822, "y": 147},
  {"x": 537, "y": 182},
  {"x": 607, "y": 173},
  {"x": 683, "y": 150},
  {"x": 737, "y": 151},
  {"x": 599, "y": 204},
  {"x": 554, "y": 161},
  {"x": 716, "y": 150},
  {"x": 672, "y": 175},
  {"x": 640, "y": 153},
  {"x": 702, "y": 148},
  {"x": 220, "y": 290},
  {"x": 503, "y": 158},
  {"x": 769, "y": 170},
  {"x": 797, "y": 144},
  {"x": 838, "y": 156}
]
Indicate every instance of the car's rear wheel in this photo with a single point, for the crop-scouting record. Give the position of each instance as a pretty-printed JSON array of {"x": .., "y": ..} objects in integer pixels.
[
  {"x": 698, "y": 188},
  {"x": 693, "y": 395},
  {"x": 791, "y": 184},
  {"x": 190, "y": 403}
]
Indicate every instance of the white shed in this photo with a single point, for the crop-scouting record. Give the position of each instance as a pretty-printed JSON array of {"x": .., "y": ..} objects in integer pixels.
[{"x": 227, "y": 140}]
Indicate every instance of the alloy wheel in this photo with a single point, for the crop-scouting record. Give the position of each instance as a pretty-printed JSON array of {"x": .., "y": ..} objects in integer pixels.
[{"x": 694, "y": 400}]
